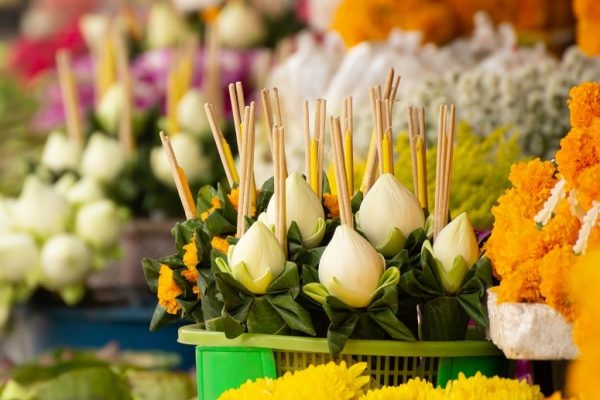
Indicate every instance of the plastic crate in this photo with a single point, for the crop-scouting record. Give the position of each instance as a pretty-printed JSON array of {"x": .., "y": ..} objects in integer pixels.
[{"x": 226, "y": 363}]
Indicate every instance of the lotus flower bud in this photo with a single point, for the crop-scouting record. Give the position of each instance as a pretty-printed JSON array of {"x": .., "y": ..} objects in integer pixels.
[
  {"x": 350, "y": 268},
  {"x": 40, "y": 209},
  {"x": 190, "y": 119},
  {"x": 110, "y": 107},
  {"x": 7, "y": 218},
  {"x": 18, "y": 256},
  {"x": 457, "y": 250},
  {"x": 388, "y": 214},
  {"x": 65, "y": 261},
  {"x": 303, "y": 207},
  {"x": 168, "y": 28},
  {"x": 239, "y": 25},
  {"x": 84, "y": 191},
  {"x": 60, "y": 153},
  {"x": 65, "y": 183},
  {"x": 257, "y": 259},
  {"x": 99, "y": 223},
  {"x": 103, "y": 158},
  {"x": 189, "y": 155}
]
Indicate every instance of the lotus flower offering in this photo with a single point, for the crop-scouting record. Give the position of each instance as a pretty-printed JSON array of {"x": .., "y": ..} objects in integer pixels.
[{"x": 293, "y": 257}]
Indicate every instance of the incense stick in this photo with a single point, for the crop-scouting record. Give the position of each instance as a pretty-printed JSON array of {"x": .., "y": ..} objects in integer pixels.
[
  {"x": 228, "y": 166},
  {"x": 268, "y": 115},
  {"x": 340, "y": 171},
  {"x": 307, "y": 139},
  {"x": 321, "y": 142},
  {"x": 183, "y": 188},
  {"x": 235, "y": 110},
  {"x": 69, "y": 96},
  {"x": 412, "y": 142}
]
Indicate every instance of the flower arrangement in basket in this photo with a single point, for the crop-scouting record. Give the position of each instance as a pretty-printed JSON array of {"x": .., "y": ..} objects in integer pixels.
[
  {"x": 544, "y": 224},
  {"x": 293, "y": 258}
]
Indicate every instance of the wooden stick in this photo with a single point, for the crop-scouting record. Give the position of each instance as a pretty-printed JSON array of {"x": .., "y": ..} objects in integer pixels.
[
  {"x": 70, "y": 96},
  {"x": 282, "y": 196},
  {"x": 235, "y": 110},
  {"x": 448, "y": 172},
  {"x": 241, "y": 223},
  {"x": 183, "y": 189},
  {"x": 278, "y": 116},
  {"x": 279, "y": 183},
  {"x": 388, "y": 84},
  {"x": 422, "y": 160},
  {"x": 348, "y": 145},
  {"x": 438, "y": 171},
  {"x": 340, "y": 171},
  {"x": 371, "y": 167},
  {"x": 307, "y": 153},
  {"x": 268, "y": 115},
  {"x": 379, "y": 129},
  {"x": 252, "y": 184},
  {"x": 228, "y": 167},
  {"x": 126, "y": 137},
  {"x": 239, "y": 89},
  {"x": 395, "y": 89},
  {"x": 321, "y": 139}
]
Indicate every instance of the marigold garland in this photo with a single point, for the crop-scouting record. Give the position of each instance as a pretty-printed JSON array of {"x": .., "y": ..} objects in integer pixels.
[{"x": 168, "y": 290}]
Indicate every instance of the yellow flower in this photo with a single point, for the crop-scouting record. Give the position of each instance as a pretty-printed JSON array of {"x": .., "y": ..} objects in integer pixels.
[
  {"x": 480, "y": 387},
  {"x": 323, "y": 382},
  {"x": 415, "y": 389},
  {"x": 190, "y": 259},
  {"x": 215, "y": 204},
  {"x": 585, "y": 279},
  {"x": 168, "y": 290},
  {"x": 330, "y": 201},
  {"x": 220, "y": 244}
]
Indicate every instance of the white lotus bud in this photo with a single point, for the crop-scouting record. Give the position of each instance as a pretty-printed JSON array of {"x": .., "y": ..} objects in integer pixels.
[
  {"x": 84, "y": 191},
  {"x": 18, "y": 256},
  {"x": 65, "y": 260},
  {"x": 110, "y": 108},
  {"x": 239, "y": 25},
  {"x": 457, "y": 250},
  {"x": 7, "y": 215},
  {"x": 60, "y": 153},
  {"x": 303, "y": 207},
  {"x": 65, "y": 183},
  {"x": 94, "y": 28},
  {"x": 350, "y": 268},
  {"x": 257, "y": 259},
  {"x": 103, "y": 158},
  {"x": 40, "y": 209},
  {"x": 168, "y": 28},
  {"x": 388, "y": 214},
  {"x": 190, "y": 119},
  {"x": 99, "y": 223},
  {"x": 189, "y": 154}
]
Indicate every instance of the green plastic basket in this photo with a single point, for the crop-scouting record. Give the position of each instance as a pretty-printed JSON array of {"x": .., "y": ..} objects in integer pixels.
[{"x": 227, "y": 363}]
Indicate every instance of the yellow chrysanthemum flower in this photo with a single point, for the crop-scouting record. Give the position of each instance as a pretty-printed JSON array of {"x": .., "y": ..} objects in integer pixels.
[
  {"x": 480, "y": 387},
  {"x": 168, "y": 290},
  {"x": 324, "y": 382},
  {"x": 415, "y": 389}
]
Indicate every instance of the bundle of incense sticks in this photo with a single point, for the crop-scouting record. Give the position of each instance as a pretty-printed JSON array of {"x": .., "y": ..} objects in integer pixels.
[
  {"x": 346, "y": 217},
  {"x": 313, "y": 146},
  {"x": 443, "y": 176},
  {"x": 246, "y": 181},
  {"x": 223, "y": 147},
  {"x": 279, "y": 186},
  {"x": 272, "y": 119},
  {"x": 381, "y": 146},
  {"x": 70, "y": 97},
  {"x": 183, "y": 188}
]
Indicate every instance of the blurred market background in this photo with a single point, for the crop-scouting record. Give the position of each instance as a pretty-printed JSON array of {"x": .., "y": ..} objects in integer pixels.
[{"x": 86, "y": 193}]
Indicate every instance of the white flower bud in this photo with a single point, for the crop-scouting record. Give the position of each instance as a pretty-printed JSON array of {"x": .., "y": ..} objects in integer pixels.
[
  {"x": 303, "y": 207},
  {"x": 18, "y": 256},
  {"x": 168, "y": 28},
  {"x": 189, "y": 157},
  {"x": 190, "y": 119},
  {"x": 257, "y": 259},
  {"x": 103, "y": 158},
  {"x": 388, "y": 214},
  {"x": 84, "y": 191},
  {"x": 350, "y": 268},
  {"x": 239, "y": 25},
  {"x": 40, "y": 209},
  {"x": 99, "y": 224},
  {"x": 110, "y": 108},
  {"x": 60, "y": 153},
  {"x": 457, "y": 250},
  {"x": 65, "y": 261}
]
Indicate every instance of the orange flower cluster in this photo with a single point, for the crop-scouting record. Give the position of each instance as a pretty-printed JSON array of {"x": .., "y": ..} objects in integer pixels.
[
  {"x": 168, "y": 290},
  {"x": 220, "y": 244},
  {"x": 588, "y": 32},
  {"x": 215, "y": 204},
  {"x": 190, "y": 259},
  {"x": 330, "y": 201},
  {"x": 443, "y": 20}
]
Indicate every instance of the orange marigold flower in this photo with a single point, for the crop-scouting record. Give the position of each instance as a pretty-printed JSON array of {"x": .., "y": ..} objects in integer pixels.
[
  {"x": 521, "y": 285},
  {"x": 330, "y": 201},
  {"x": 220, "y": 244},
  {"x": 584, "y": 104},
  {"x": 168, "y": 290},
  {"x": 190, "y": 259},
  {"x": 233, "y": 197},
  {"x": 554, "y": 269},
  {"x": 215, "y": 204}
]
